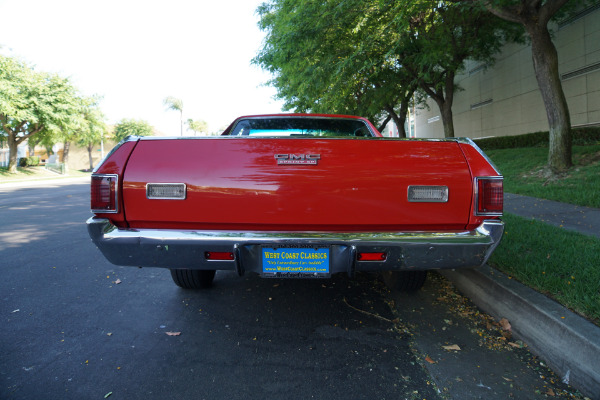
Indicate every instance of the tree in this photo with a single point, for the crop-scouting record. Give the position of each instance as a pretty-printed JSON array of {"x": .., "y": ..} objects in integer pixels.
[
  {"x": 34, "y": 104},
  {"x": 369, "y": 57},
  {"x": 93, "y": 129},
  {"x": 441, "y": 37},
  {"x": 175, "y": 104},
  {"x": 131, "y": 127},
  {"x": 320, "y": 60},
  {"x": 198, "y": 126},
  {"x": 534, "y": 16}
]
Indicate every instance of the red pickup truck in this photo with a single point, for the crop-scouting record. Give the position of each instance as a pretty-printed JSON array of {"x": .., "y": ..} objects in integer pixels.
[{"x": 296, "y": 196}]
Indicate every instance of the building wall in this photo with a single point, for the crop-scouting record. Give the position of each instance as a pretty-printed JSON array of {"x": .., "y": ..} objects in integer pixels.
[
  {"x": 505, "y": 100},
  {"x": 79, "y": 157}
]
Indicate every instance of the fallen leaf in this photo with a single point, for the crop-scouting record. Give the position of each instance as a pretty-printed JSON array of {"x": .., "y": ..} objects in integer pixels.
[
  {"x": 117, "y": 281},
  {"x": 513, "y": 344},
  {"x": 173, "y": 333},
  {"x": 429, "y": 360},
  {"x": 507, "y": 379},
  {"x": 505, "y": 324},
  {"x": 109, "y": 334},
  {"x": 107, "y": 395},
  {"x": 506, "y": 335},
  {"x": 453, "y": 347},
  {"x": 550, "y": 392}
]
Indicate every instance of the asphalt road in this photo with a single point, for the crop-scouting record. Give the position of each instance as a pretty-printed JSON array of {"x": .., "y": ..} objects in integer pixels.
[{"x": 73, "y": 326}]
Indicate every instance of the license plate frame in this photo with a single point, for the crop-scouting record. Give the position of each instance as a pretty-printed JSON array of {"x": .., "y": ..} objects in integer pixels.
[{"x": 291, "y": 261}]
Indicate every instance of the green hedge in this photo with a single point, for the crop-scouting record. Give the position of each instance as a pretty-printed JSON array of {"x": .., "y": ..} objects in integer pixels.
[
  {"x": 29, "y": 161},
  {"x": 581, "y": 137}
]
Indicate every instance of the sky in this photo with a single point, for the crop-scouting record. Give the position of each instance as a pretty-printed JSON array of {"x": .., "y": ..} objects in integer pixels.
[{"x": 135, "y": 53}]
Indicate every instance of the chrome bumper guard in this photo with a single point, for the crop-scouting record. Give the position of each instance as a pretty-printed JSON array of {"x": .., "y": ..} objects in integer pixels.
[{"x": 186, "y": 248}]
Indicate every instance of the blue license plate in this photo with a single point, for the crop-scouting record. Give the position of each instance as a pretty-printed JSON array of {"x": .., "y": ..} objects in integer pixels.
[{"x": 292, "y": 260}]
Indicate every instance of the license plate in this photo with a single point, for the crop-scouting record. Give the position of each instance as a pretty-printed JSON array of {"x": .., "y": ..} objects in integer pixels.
[{"x": 293, "y": 261}]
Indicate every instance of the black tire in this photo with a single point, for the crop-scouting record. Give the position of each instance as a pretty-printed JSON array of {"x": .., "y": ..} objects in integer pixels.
[
  {"x": 193, "y": 278},
  {"x": 404, "y": 281}
]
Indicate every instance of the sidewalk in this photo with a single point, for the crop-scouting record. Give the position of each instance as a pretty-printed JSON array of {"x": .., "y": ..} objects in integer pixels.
[
  {"x": 585, "y": 220},
  {"x": 29, "y": 183},
  {"x": 568, "y": 343}
]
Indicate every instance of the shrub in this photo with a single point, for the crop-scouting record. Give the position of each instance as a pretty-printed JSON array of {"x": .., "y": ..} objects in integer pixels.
[
  {"x": 29, "y": 161},
  {"x": 581, "y": 137}
]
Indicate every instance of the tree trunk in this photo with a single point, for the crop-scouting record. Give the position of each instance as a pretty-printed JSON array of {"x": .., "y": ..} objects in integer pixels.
[
  {"x": 90, "y": 148},
  {"x": 447, "y": 119},
  {"x": 446, "y": 114},
  {"x": 545, "y": 64},
  {"x": 384, "y": 123},
  {"x": 13, "y": 145},
  {"x": 398, "y": 120},
  {"x": 446, "y": 108},
  {"x": 444, "y": 99},
  {"x": 404, "y": 104},
  {"x": 65, "y": 160}
]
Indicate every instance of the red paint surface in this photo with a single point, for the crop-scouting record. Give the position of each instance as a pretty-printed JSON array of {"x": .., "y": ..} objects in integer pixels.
[{"x": 358, "y": 185}]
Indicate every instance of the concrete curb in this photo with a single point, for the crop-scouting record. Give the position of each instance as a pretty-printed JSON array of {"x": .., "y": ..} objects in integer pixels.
[{"x": 568, "y": 343}]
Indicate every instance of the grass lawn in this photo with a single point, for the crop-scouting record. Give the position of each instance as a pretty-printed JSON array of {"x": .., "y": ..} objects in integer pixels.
[
  {"x": 558, "y": 263},
  {"x": 524, "y": 173},
  {"x": 35, "y": 173}
]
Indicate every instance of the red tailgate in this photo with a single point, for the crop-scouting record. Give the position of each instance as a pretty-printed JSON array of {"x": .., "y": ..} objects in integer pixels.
[{"x": 356, "y": 185}]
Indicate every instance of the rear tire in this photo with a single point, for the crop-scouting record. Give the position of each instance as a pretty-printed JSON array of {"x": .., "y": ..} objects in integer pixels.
[
  {"x": 404, "y": 281},
  {"x": 193, "y": 278}
]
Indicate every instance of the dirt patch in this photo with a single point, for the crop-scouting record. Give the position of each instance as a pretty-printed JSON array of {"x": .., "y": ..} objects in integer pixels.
[
  {"x": 588, "y": 159},
  {"x": 545, "y": 174}
]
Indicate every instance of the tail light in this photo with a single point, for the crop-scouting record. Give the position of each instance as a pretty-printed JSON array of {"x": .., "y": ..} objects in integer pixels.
[
  {"x": 104, "y": 189},
  {"x": 489, "y": 195}
]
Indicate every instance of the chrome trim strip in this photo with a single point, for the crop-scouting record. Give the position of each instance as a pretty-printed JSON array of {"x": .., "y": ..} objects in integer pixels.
[
  {"x": 114, "y": 149},
  {"x": 470, "y": 142},
  {"x": 116, "y": 210}
]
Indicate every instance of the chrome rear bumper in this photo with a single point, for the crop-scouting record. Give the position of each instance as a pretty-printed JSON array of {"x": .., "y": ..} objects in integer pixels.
[{"x": 186, "y": 249}]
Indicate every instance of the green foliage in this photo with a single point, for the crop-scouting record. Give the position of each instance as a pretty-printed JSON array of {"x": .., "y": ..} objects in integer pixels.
[
  {"x": 173, "y": 103},
  {"x": 198, "y": 126},
  {"x": 92, "y": 128},
  {"x": 35, "y": 104},
  {"x": 131, "y": 127},
  {"x": 581, "y": 136},
  {"x": 29, "y": 161},
  {"x": 368, "y": 57}
]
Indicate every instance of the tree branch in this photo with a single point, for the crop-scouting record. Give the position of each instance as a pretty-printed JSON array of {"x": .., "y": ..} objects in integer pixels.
[
  {"x": 548, "y": 10},
  {"x": 385, "y": 122},
  {"x": 512, "y": 14}
]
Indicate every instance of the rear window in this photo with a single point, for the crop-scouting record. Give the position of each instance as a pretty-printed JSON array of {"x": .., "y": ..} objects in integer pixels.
[{"x": 301, "y": 126}]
